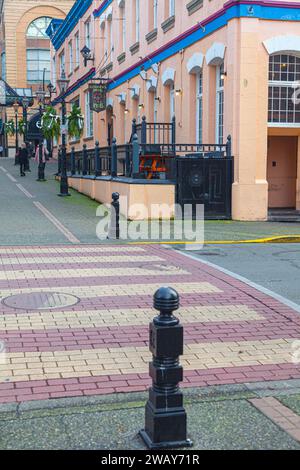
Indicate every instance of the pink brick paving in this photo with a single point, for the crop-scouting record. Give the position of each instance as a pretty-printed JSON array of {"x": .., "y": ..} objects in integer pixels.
[{"x": 277, "y": 323}]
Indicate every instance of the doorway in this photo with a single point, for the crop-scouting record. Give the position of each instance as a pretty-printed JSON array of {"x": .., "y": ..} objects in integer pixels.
[{"x": 282, "y": 171}]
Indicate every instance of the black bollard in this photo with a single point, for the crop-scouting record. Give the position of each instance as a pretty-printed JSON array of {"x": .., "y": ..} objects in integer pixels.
[
  {"x": 166, "y": 420},
  {"x": 114, "y": 229}
]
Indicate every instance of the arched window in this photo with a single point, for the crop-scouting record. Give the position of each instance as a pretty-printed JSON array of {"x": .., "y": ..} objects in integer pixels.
[
  {"x": 37, "y": 29},
  {"x": 220, "y": 104},
  {"x": 38, "y": 51},
  {"x": 284, "y": 81}
]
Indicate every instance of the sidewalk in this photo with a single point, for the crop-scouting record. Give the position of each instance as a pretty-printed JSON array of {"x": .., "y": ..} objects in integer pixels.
[
  {"x": 78, "y": 214},
  {"x": 74, "y": 320},
  {"x": 228, "y": 417}
]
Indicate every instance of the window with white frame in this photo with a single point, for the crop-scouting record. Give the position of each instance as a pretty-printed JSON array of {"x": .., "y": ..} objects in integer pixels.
[
  {"x": 199, "y": 108},
  {"x": 111, "y": 38},
  {"x": 171, "y": 7},
  {"x": 89, "y": 125},
  {"x": 77, "y": 50},
  {"x": 71, "y": 57},
  {"x": 38, "y": 65},
  {"x": 155, "y": 115},
  {"x": 155, "y": 14},
  {"x": 137, "y": 20},
  {"x": 284, "y": 81},
  {"x": 172, "y": 101},
  {"x": 62, "y": 63},
  {"x": 220, "y": 104},
  {"x": 87, "y": 28},
  {"x": 123, "y": 26}
]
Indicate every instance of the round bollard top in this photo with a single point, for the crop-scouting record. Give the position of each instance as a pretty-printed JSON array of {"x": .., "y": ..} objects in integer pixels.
[
  {"x": 115, "y": 196},
  {"x": 166, "y": 299}
]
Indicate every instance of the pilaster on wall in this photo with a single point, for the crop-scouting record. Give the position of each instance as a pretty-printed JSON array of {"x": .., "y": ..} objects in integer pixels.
[
  {"x": 250, "y": 189},
  {"x": 298, "y": 178}
]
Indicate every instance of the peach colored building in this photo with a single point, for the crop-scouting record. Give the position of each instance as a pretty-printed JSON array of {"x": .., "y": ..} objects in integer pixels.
[{"x": 220, "y": 68}]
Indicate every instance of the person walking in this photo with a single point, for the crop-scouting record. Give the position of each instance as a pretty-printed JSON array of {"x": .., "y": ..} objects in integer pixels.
[
  {"x": 23, "y": 159},
  {"x": 41, "y": 160},
  {"x": 27, "y": 168}
]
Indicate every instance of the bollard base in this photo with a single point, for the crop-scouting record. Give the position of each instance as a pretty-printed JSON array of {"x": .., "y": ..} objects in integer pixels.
[
  {"x": 163, "y": 445},
  {"x": 64, "y": 195}
]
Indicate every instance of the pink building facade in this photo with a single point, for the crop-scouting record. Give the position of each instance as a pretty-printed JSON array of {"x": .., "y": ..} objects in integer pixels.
[{"x": 220, "y": 68}]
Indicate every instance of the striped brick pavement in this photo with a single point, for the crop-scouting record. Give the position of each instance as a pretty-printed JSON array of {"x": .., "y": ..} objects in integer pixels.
[{"x": 99, "y": 345}]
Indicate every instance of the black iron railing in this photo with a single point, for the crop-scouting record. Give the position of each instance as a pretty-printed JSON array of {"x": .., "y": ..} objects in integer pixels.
[
  {"x": 154, "y": 132},
  {"x": 139, "y": 160}
]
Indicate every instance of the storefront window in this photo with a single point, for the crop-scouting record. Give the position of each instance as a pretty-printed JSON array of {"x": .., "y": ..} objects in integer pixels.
[{"x": 284, "y": 81}]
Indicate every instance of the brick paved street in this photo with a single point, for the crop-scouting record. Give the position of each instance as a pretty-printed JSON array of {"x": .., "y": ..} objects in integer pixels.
[
  {"x": 233, "y": 334},
  {"x": 74, "y": 321}
]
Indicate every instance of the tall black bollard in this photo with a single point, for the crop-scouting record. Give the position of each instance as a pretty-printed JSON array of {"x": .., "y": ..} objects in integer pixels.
[
  {"x": 166, "y": 420},
  {"x": 114, "y": 229},
  {"x": 98, "y": 161},
  {"x": 73, "y": 162},
  {"x": 84, "y": 161}
]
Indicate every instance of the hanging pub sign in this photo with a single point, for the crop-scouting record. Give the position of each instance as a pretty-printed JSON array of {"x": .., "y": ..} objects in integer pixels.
[{"x": 98, "y": 93}]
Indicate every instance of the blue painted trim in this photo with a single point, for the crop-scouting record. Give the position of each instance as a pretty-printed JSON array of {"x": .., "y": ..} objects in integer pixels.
[
  {"x": 264, "y": 12},
  {"x": 75, "y": 14},
  {"x": 102, "y": 8}
]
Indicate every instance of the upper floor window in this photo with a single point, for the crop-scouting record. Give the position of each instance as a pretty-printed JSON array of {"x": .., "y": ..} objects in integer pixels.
[
  {"x": 38, "y": 65},
  {"x": 137, "y": 20},
  {"x": 199, "y": 108},
  {"x": 87, "y": 27},
  {"x": 37, "y": 29},
  {"x": 123, "y": 26},
  {"x": 171, "y": 7},
  {"x": 284, "y": 77},
  {"x": 220, "y": 104},
  {"x": 71, "y": 57},
  {"x": 62, "y": 63},
  {"x": 77, "y": 50}
]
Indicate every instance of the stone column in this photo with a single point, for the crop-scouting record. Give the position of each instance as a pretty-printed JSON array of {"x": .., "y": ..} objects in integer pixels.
[
  {"x": 298, "y": 177},
  {"x": 250, "y": 126}
]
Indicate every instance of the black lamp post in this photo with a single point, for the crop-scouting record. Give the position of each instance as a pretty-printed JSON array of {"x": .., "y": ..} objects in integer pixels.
[
  {"x": 51, "y": 90},
  {"x": 25, "y": 105},
  {"x": 16, "y": 109},
  {"x": 40, "y": 94},
  {"x": 63, "y": 84}
]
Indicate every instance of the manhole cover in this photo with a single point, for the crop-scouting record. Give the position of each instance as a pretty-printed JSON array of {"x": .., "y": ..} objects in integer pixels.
[{"x": 40, "y": 300}]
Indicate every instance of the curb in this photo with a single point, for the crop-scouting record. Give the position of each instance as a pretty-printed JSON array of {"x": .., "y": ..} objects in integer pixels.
[{"x": 275, "y": 239}]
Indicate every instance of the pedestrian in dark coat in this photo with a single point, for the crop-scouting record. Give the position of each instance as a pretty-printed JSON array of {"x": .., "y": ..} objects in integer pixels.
[{"x": 23, "y": 157}]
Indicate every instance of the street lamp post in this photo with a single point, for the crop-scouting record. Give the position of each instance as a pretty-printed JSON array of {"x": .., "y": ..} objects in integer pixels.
[
  {"x": 51, "y": 89},
  {"x": 25, "y": 104},
  {"x": 63, "y": 84},
  {"x": 40, "y": 94},
  {"x": 16, "y": 109}
]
